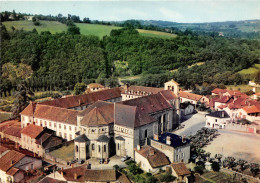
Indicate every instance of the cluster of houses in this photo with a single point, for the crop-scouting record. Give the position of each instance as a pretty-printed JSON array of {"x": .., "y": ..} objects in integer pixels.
[
  {"x": 231, "y": 106},
  {"x": 125, "y": 121}
]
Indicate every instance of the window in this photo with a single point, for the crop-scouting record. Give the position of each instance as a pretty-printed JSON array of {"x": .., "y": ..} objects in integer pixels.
[
  {"x": 50, "y": 124},
  {"x": 64, "y": 127},
  {"x": 145, "y": 134},
  {"x": 65, "y": 135},
  {"x": 55, "y": 125},
  {"x": 93, "y": 147},
  {"x": 118, "y": 146},
  {"x": 177, "y": 157},
  {"x": 59, "y": 125},
  {"x": 45, "y": 122},
  {"x": 216, "y": 120},
  {"x": 77, "y": 148},
  {"x": 70, "y": 128},
  {"x": 105, "y": 148},
  {"x": 99, "y": 148}
]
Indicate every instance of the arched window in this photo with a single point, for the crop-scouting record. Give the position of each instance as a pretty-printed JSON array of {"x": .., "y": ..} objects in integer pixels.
[
  {"x": 145, "y": 134},
  {"x": 105, "y": 149},
  {"x": 118, "y": 146},
  {"x": 93, "y": 147},
  {"x": 99, "y": 148},
  {"x": 77, "y": 148}
]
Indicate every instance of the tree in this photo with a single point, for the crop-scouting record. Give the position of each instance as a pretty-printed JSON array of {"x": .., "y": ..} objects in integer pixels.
[
  {"x": 257, "y": 77},
  {"x": 199, "y": 169},
  {"x": 22, "y": 98},
  {"x": 229, "y": 162},
  {"x": 79, "y": 88},
  {"x": 73, "y": 30},
  {"x": 215, "y": 166},
  {"x": 218, "y": 157},
  {"x": 242, "y": 163},
  {"x": 254, "y": 168},
  {"x": 166, "y": 177}
]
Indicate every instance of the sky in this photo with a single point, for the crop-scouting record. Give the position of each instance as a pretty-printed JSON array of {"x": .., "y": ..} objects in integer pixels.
[{"x": 183, "y": 11}]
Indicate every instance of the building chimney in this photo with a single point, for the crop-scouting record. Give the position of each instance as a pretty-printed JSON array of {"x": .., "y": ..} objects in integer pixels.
[
  {"x": 168, "y": 140},
  {"x": 75, "y": 176},
  {"x": 155, "y": 137},
  {"x": 138, "y": 147},
  {"x": 183, "y": 138},
  {"x": 151, "y": 152}
]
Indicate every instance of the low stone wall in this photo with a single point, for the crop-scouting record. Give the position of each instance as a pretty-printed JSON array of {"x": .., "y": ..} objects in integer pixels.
[
  {"x": 237, "y": 127},
  {"x": 240, "y": 175},
  {"x": 54, "y": 159}
]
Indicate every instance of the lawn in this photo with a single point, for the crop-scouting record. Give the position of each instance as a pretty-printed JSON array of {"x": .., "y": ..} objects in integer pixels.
[
  {"x": 242, "y": 88},
  {"x": 250, "y": 72},
  {"x": 27, "y": 25},
  {"x": 4, "y": 116},
  {"x": 85, "y": 29},
  {"x": 65, "y": 152}
]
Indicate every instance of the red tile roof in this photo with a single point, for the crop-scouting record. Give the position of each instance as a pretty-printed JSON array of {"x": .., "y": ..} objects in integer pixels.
[
  {"x": 98, "y": 114},
  {"x": 85, "y": 99},
  {"x": 13, "y": 131},
  {"x": 191, "y": 96},
  {"x": 180, "y": 169},
  {"x": 251, "y": 109},
  {"x": 51, "y": 180},
  {"x": 3, "y": 149},
  {"x": 155, "y": 157},
  {"x": 218, "y": 91},
  {"x": 223, "y": 99},
  {"x": 142, "y": 90},
  {"x": 53, "y": 113},
  {"x": 95, "y": 85},
  {"x": 168, "y": 94},
  {"x": 32, "y": 130},
  {"x": 9, "y": 160}
]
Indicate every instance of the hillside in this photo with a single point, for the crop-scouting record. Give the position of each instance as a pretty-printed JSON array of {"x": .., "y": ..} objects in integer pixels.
[{"x": 85, "y": 29}]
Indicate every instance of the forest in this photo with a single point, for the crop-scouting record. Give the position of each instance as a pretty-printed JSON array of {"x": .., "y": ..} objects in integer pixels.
[{"x": 59, "y": 61}]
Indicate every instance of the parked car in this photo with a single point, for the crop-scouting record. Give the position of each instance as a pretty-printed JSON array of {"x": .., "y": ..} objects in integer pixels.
[{"x": 125, "y": 158}]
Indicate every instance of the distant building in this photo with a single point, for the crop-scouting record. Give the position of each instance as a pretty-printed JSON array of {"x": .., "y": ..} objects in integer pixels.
[
  {"x": 13, "y": 166},
  {"x": 180, "y": 171},
  {"x": 150, "y": 158},
  {"x": 176, "y": 148},
  {"x": 250, "y": 113},
  {"x": 186, "y": 108},
  {"x": 192, "y": 98},
  {"x": 218, "y": 119},
  {"x": 93, "y": 87}
]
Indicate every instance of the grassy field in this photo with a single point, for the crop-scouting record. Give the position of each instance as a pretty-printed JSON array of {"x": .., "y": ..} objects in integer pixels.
[
  {"x": 27, "y": 25},
  {"x": 242, "y": 88},
  {"x": 250, "y": 72},
  {"x": 85, "y": 29},
  {"x": 65, "y": 153},
  {"x": 4, "y": 116}
]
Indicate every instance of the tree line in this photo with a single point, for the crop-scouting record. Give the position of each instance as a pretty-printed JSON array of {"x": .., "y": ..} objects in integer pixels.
[{"x": 59, "y": 61}]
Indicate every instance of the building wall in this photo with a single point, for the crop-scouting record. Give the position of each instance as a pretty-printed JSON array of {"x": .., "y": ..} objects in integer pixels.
[
  {"x": 81, "y": 150},
  {"x": 29, "y": 163},
  {"x": 30, "y": 144},
  {"x": 188, "y": 110},
  {"x": 214, "y": 122},
  {"x": 18, "y": 176},
  {"x": 177, "y": 154},
  {"x": 144, "y": 163},
  {"x": 188, "y": 100},
  {"x": 4, "y": 176},
  {"x": 120, "y": 147}
]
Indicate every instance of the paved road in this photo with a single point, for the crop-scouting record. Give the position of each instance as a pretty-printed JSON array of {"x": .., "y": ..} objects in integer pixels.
[{"x": 192, "y": 124}]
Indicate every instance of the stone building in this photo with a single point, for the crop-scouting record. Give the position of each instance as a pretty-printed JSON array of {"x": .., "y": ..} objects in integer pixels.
[
  {"x": 13, "y": 166},
  {"x": 217, "y": 119},
  {"x": 176, "y": 148},
  {"x": 93, "y": 87}
]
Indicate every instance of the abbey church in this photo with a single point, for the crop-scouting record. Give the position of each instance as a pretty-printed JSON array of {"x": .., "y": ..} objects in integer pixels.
[{"x": 109, "y": 121}]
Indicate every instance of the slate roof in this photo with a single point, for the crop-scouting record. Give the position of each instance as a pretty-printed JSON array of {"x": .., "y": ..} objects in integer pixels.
[
  {"x": 155, "y": 157},
  {"x": 103, "y": 138},
  {"x": 81, "y": 138},
  {"x": 176, "y": 140},
  {"x": 180, "y": 169},
  {"x": 9, "y": 160},
  {"x": 120, "y": 138},
  {"x": 32, "y": 130},
  {"x": 219, "y": 114},
  {"x": 190, "y": 96},
  {"x": 85, "y": 99}
]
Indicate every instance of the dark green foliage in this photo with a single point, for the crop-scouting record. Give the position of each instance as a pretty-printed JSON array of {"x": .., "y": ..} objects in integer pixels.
[
  {"x": 166, "y": 177},
  {"x": 199, "y": 169},
  {"x": 79, "y": 88},
  {"x": 134, "y": 169},
  {"x": 215, "y": 166},
  {"x": 130, "y": 162},
  {"x": 116, "y": 167},
  {"x": 257, "y": 77}
]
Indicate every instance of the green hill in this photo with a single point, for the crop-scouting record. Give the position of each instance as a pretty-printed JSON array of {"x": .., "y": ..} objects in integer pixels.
[{"x": 85, "y": 29}]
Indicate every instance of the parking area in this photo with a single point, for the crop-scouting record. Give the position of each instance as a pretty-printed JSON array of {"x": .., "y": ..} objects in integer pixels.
[{"x": 192, "y": 123}]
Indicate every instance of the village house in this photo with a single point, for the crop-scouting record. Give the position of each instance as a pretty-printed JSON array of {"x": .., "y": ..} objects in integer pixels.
[
  {"x": 218, "y": 91},
  {"x": 12, "y": 133},
  {"x": 250, "y": 113},
  {"x": 217, "y": 119},
  {"x": 82, "y": 174},
  {"x": 150, "y": 159},
  {"x": 39, "y": 139},
  {"x": 93, "y": 87},
  {"x": 180, "y": 171},
  {"x": 13, "y": 166},
  {"x": 176, "y": 148},
  {"x": 192, "y": 98},
  {"x": 186, "y": 108}
]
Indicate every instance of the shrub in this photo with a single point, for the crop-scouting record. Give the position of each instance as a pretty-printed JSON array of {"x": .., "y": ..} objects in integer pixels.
[
  {"x": 166, "y": 177},
  {"x": 130, "y": 162},
  {"x": 215, "y": 166},
  {"x": 199, "y": 169}
]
